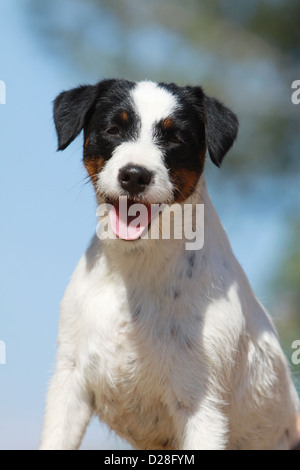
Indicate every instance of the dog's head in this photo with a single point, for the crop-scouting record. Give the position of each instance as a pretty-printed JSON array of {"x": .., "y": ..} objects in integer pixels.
[{"x": 143, "y": 140}]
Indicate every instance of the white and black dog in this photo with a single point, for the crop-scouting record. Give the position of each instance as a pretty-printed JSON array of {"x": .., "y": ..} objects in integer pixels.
[{"x": 168, "y": 346}]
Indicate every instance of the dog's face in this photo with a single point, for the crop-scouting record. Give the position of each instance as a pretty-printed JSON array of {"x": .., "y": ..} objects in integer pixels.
[{"x": 143, "y": 140}]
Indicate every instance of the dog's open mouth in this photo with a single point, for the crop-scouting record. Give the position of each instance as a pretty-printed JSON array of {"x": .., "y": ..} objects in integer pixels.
[{"x": 129, "y": 219}]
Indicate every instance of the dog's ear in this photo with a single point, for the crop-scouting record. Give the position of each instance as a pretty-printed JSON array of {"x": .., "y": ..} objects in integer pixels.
[
  {"x": 221, "y": 128},
  {"x": 70, "y": 112}
]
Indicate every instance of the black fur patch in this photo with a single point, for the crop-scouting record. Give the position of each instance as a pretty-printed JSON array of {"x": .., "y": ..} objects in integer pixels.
[
  {"x": 221, "y": 129},
  {"x": 107, "y": 127}
]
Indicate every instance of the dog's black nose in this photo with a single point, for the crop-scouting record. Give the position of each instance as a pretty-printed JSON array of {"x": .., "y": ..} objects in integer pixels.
[{"x": 134, "y": 179}]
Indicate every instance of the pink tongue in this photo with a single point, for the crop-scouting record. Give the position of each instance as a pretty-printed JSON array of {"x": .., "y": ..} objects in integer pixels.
[{"x": 125, "y": 225}]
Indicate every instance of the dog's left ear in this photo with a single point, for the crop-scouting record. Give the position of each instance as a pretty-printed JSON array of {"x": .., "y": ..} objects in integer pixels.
[
  {"x": 221, "y": 128},
  {"x": 70, "y": 112}
]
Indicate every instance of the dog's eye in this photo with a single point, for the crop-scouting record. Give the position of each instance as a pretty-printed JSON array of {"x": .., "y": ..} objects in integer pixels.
[
  {"x": 175, "y": 139},
  {"x": 114, "y": 130}
]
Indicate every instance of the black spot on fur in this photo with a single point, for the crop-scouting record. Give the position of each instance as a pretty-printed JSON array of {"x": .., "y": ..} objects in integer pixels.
[
  {"x": 137, "y": 311},
  {"x": 191, "y": 259},
  {"x": 166, "y": 443},
  {"x": 176, "y": 294},
  {"x": 189, "y": 273},
  {"x": 187, "y": 343},
  {"x": 174, "y": 329},
  {"x": 155, "y": 421},
  {"x": 225, "y": 265},
  {"x": 191, "y": 264}
]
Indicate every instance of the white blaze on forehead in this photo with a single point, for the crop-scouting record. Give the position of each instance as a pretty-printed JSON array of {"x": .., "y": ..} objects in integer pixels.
[{"x": 152, "y": 104}]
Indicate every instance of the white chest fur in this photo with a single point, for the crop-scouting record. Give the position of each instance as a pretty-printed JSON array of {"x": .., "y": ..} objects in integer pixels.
[
  {"x": 160, "y": 338},
  {"x": 137, "y": 334}
]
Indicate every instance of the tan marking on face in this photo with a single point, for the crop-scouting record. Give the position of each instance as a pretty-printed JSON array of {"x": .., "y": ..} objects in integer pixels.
[
  {"x": 124, "y": 116},
  {"x": 185, "y": 181},
  {"x": 167, "y": 123},
  {"x": 94, "y": 165},
  {"x": 86, "y": 143}
]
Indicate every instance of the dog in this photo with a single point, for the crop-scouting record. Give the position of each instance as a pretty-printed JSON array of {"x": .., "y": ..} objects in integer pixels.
[{"x": 167, "y": 345}]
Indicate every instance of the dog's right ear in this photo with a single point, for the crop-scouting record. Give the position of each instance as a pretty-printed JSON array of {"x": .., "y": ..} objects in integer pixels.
[
  {"x": 70, "y": 112},
  {"x": 221, "y": 128}
]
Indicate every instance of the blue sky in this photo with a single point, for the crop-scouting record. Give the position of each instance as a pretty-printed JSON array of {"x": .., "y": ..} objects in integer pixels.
[{"x": 48, "y": 217}]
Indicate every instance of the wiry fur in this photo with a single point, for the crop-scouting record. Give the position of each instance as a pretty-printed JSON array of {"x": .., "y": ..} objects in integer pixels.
[{"x": 169, "y": 347}]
